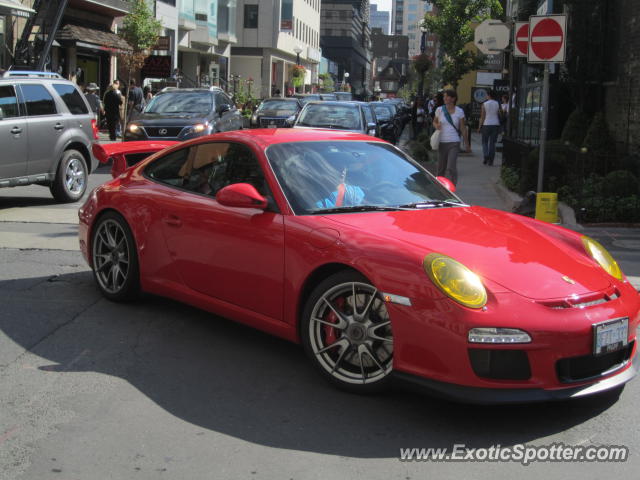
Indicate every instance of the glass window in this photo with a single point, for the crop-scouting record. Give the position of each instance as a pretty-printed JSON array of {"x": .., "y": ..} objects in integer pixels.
[
  {"x": 208, "y": 167},
  {"x": 368, "y": 117},
  {"x": 282, "y": 106},
  {"x": 8, "y": 102},
  {"x": 71, "y": 98},
  {"x": 251, "y": 16},
  {"x": 312, "y": 173},
  {"x": 188, "y": 102},
  {"x": 38, "y": 100},
  {"x": 345, "y": 117},
  {"x": 223, "y": 99}
]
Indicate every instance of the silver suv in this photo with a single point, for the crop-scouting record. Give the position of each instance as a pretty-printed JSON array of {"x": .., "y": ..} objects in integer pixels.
[{"x": 46, "y": 132}]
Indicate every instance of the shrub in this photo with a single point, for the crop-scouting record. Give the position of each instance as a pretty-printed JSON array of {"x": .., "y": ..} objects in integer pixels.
[
  {"x": 557, "y": 158},
  {"x": 575, "y": 128},
  {"x": 620, "y": 183},
  {"x": 510, "y": 178},
  {"x": 598, "y": 138}
]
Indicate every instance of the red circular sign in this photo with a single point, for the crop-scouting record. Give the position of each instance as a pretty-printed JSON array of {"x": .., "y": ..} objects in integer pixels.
[
  {"x": 546, "y": 39},
  {"x": 522, "y": 39}
]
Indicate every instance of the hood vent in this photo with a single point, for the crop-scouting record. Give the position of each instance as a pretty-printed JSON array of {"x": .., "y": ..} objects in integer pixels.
[{"x": 583, "y": 301}]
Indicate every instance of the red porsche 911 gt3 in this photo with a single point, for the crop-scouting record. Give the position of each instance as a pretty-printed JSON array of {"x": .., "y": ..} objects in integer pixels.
[{"x": 341, "y": 242}]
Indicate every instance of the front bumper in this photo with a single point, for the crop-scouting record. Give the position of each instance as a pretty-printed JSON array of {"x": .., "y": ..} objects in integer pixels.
[{"x": 496, "y": 396}]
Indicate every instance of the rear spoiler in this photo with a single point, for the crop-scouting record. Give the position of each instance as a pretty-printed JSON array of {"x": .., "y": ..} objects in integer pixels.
[{"x": 117, "y": 152}]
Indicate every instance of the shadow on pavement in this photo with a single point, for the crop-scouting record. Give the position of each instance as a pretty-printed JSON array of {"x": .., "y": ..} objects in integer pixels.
[{"x": 224, "y": 377}]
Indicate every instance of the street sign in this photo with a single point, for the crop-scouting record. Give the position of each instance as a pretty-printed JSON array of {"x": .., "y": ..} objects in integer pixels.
[
  {"x": 521, "y": 39},
  {"x": 491, "y": 36},
  {"x": 547, "y": 38}
]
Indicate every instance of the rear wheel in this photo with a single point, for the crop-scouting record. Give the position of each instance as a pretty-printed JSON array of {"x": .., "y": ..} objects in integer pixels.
[
  {"x": 115, "y": 259},
  {"x": 71, "y": 178},
  {"x": 346, "y": 331}
]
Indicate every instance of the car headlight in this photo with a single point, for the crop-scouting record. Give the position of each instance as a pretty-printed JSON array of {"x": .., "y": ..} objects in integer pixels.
[
  {"x": 199, "y": 127},
  {"x": 604, "y": 258},
  {"x": 133, "y": 128},
  {"x": 498, "y": 335},
  {"x": 455, "y": 280}
]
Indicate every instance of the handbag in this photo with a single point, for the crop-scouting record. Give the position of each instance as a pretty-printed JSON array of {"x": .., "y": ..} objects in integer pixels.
[{"x": 435, "y": 140}]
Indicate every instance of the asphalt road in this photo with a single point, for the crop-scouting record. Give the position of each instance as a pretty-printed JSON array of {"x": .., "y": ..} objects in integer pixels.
[{"x": 91, "y": 389}]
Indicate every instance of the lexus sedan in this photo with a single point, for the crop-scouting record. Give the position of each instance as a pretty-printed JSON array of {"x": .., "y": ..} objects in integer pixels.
[
  {"x": 340, "y": 242},
  {"x": 350, "y": 116}
]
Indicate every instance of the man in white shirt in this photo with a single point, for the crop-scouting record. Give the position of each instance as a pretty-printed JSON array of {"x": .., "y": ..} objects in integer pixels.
[{"x": 489, "y": 127}]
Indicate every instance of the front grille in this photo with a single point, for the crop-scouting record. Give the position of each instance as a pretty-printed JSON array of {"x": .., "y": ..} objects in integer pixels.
[
  {"x": 577, "y": 369},
  {"x": 266, "y": 121},
  {"x": 170, "y": 131},
  {"x": 500, "y": 364}
]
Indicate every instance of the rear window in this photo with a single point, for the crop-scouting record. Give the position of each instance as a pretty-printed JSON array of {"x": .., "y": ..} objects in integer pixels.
[
  {"x": 71, "y": 98},
  {"x": 8, "y": 102},
  {"x": 38, "y": 100}
]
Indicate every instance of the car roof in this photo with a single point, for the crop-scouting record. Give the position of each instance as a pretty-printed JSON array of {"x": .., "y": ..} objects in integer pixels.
[
  {"x": 331, "y": 103},
  {"x": 280, "y": 99}
]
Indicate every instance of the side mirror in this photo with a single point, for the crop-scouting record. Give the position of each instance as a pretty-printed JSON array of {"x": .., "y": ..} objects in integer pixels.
[
  {"x": 241, "y": 195},
  {"x": 448, "y": 184},
  {"x": 223, "y": 108},
  {"x": 290, "y": 121},
  {"x": 371, "y": 129}
]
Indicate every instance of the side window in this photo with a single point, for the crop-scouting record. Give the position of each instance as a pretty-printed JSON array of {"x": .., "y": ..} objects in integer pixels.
[
  {"x": 71, "y": 98},
  {"x": 38, "y": 100},
  {"x": 8, "y": 102},
  {"x": 367, "y": 115},
  {"x": 208, "y": 167},
  {"x": 223, "y": 99}
]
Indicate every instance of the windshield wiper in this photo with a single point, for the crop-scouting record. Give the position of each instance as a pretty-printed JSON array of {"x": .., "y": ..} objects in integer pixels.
[
  {"x": 356, "y": 208},
  {"x": 434, "y": 204}
]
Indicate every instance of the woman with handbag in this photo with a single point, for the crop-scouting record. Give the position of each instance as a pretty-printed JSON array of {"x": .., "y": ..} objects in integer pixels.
[{"x": 450, "y": 124}]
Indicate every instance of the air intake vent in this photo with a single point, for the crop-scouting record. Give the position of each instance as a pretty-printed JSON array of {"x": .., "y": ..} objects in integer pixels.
[{"x": 583, "y": 301}]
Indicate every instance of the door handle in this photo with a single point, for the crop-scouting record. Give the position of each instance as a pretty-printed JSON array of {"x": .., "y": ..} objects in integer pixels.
[
  {"x": 173, "y": 221},
  {"x": 16, "y": 130},
  {"x": 59, "y": 126}
]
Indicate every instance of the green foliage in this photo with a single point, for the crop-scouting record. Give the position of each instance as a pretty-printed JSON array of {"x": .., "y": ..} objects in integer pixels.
[
  {"x": 556, "y": 167},
  {"x": 327, "y": 83},
  {"x": 598, "y": 138},
  {"x": 140, "y": 29},
  {"x": 575, "y": 128},
  {"x": 510, "y": 178},
  {"x": 453, "y": 25},
  {"x": 620, "y": 183}
]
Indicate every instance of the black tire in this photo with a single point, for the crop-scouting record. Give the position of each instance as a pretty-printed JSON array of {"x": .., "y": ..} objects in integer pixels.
[
  {"x": 114, "y": 257},
  {"x": 71, "y": 179},
  {"x": 356, "y": 356}
]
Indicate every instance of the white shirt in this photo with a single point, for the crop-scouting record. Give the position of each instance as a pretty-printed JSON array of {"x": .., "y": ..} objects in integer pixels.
[
  {"x": 447, "y": 132},
  {"x": 491, "y": 108}
]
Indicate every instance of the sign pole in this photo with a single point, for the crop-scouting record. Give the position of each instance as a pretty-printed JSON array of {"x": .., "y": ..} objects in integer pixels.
[{"x": 545, "y": 114}]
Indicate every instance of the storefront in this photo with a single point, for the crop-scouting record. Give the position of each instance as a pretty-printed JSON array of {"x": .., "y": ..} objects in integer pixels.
[{"x": 9, "y": 9}]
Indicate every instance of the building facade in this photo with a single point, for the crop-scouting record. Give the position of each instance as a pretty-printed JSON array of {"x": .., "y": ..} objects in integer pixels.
[
  {"x": 380, "y": 19},
  {"x": 346, "y": 40},
  {"x": 274, "y": 35},
  {"x": 390, "y": 62},
  {"x": 407, "y": 15}
]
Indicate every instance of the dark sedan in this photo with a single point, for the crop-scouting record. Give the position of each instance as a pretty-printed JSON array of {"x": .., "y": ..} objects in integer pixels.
[
  {"x": 185, "y": 113},
  {"x": 335, "y": 115},
  {"x": 276, "y": 112},
  {"x": 389, "y": 124}
]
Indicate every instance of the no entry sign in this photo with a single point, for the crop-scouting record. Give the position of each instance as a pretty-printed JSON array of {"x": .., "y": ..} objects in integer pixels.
[
  {"x": 547, "y": 38},
  {"x": 521, "y": 39}
]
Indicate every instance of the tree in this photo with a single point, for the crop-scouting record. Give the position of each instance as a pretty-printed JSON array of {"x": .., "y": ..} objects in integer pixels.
[
  {"x": 140, "y": 30},
  {"x": 453, "y": 25}
]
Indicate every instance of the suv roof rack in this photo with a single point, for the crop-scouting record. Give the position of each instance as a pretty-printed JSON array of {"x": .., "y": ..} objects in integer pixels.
[{"x": 30, "y": 73}]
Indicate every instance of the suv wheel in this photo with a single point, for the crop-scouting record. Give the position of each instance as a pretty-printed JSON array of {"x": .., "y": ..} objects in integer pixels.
[{"x": 71, "y": 179}]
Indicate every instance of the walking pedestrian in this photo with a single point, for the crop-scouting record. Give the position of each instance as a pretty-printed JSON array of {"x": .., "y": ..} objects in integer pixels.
[
  {"x": 94, "y": 100},
  {"x": 504, "y": 114},
  {"x": 489, "y": 127},
  {"x": 112, "y": 102},
  {"x": 450, "y": 120},
  {"x": 147, "y": 93},
  {"x": 136, "y": 100}
]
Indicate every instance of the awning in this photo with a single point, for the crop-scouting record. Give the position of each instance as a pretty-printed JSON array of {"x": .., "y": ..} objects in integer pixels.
[
  {"x": 15, "y": 8},
  {"x": 91, "y": 38}
]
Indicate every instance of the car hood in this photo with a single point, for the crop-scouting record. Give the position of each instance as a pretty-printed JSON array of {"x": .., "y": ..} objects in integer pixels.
[
  {"x": 153, "y": 119},
  {"x": 356, "y": 130},
  {"x": 519, "y": 254}
]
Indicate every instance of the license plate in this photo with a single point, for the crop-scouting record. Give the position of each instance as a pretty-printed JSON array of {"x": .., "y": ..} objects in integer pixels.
[{"x": 610, "y": 335}]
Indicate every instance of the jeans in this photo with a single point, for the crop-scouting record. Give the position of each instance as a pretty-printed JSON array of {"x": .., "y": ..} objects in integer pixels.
[{"x": 489, "y": 138}]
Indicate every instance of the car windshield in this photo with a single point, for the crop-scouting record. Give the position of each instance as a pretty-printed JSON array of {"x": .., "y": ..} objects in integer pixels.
[
  {"x": 344, "y": 96},
  {"x": 330, "y": 176},
  {"x": 308, "y": 98},
  {"x": 181, "y": 103},
  {"x": 344, "y": 117},
  {"x": 278, "y": 105}
]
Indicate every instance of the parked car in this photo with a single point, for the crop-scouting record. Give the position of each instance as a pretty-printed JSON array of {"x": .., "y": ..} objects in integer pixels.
[
  {"x": 370, "y": 117},
  {"x": 344, "y": 96},
  {"x": 46, "y": 132},
  {"x": 403, "y": 111},
  {"x": 307, "y": 97},
  {"x": 388, "y": 123},
  {"x": 276, "y": 112},
  {"x": 329, "y": 97},
  {"x": 341, "y": 242},
  {"x": 185, "y": 113},
  {"x": 336, "y": 115}
]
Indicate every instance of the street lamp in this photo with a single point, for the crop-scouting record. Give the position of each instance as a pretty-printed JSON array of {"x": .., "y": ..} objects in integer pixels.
[
  {"x": 344, "y": 81},
  {"x": 298, "y": 50},
  {"x": 423, "y": 47}
]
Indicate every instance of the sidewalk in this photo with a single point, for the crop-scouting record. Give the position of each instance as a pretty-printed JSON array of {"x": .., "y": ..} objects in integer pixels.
[{"x": 479, "y": 184}]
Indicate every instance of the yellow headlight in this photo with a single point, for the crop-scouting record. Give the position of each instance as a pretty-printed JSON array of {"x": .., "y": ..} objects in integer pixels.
[
  {"x": 199, "y": 127},
  {"x": 455, "y": 280},
  {"x": 604, "y": 258},
  {"x": 133, "y": 128}
]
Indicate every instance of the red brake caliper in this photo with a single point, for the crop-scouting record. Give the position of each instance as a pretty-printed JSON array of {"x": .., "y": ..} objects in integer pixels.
[{"x": 330, "y": 332}]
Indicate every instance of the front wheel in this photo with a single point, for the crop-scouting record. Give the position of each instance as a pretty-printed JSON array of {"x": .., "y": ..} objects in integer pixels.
[
  {"x": 114, "y": 258},
  {"x": 71, "y": 178},
  {"x": 346, "y": 331}
]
